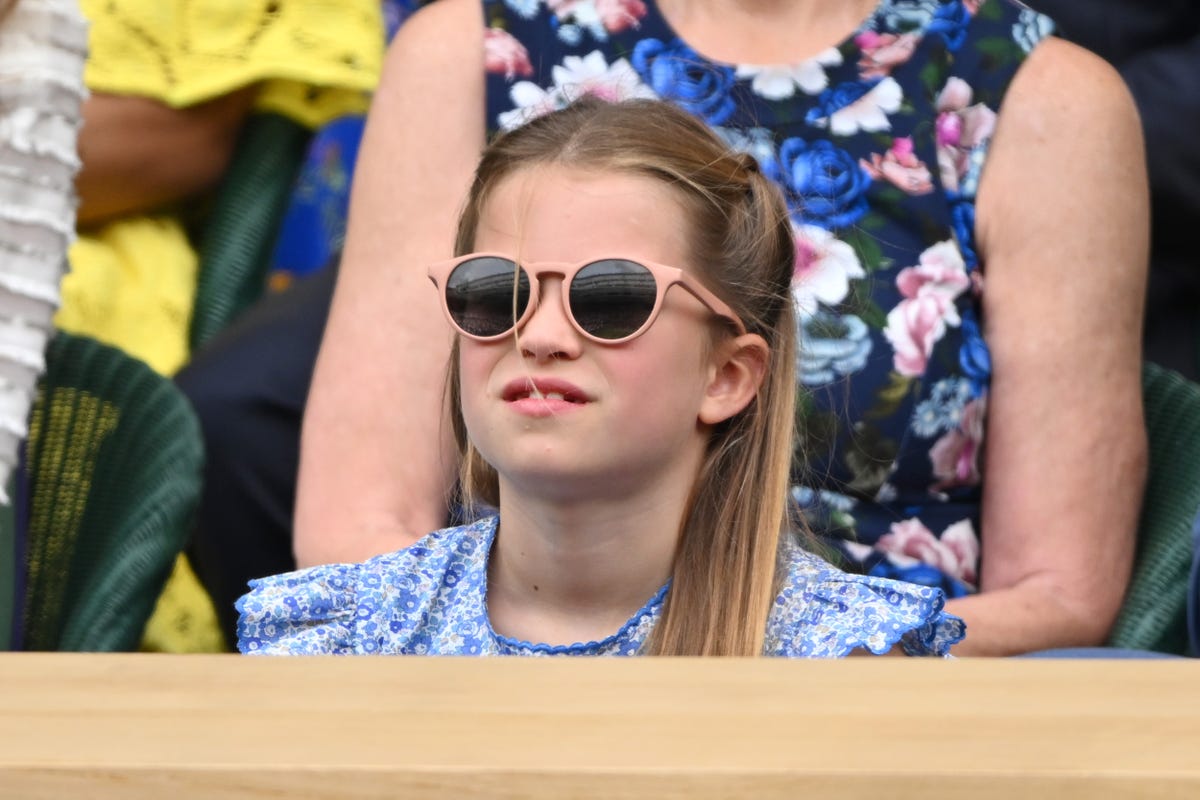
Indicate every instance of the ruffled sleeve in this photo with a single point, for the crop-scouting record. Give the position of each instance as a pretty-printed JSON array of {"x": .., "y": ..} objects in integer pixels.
[
  {"x": 307, "y": 612},
  {"x": 825, "y": 613}
]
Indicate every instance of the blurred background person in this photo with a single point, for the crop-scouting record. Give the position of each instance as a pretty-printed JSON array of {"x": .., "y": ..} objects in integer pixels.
[{"x": 172, "y": 86}]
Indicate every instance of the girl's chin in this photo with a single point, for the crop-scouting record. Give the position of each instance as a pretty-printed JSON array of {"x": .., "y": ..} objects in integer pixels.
[{"x": 557, "y": 483}]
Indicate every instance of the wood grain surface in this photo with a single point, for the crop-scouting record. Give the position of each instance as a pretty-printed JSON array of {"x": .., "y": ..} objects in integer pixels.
[{"x": 160, "y": 726}]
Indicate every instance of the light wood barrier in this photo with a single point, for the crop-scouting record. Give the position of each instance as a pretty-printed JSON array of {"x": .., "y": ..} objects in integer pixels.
[{"x": 155, "y": 726}]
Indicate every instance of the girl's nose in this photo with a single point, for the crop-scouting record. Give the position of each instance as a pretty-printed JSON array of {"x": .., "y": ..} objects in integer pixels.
[{"x": 548, "y": 333}]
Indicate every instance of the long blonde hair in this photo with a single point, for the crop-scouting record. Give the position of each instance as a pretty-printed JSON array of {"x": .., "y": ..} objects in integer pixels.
[{"x": 725, "y": 573}]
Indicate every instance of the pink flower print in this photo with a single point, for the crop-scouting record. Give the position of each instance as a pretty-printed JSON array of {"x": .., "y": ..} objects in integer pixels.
[
  {"x": 824, "y": 267},
  {"x": 613, "y": 15},
  {"x": 503, "y": 54},
  {"x": 620, "y": 15},
  {"x": 913, "y": 327},
  {"x": 940, "y": 271},
  {"x": 955, "y": 456},
  {"x": 882, "y": 52},
  {"x": 955, "y": 95},
  {"x": 960, "y": 128},
  {"x": 918, "y": 321},
  {"x": 949, "y": 129},
  {"x": 575, "y": 77},
  {"x": 972, "y": 6},
  {"x": 960, "y": 539},
  {"x": 956, "y": 553},
  {"x": 900, "y": 167}
]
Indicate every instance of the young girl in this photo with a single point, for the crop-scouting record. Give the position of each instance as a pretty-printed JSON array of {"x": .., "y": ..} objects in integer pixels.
[{"x": 622, "y": 391}]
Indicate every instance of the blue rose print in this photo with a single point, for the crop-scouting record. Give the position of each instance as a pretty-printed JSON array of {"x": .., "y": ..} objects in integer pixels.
[
  {"x": 676, "y": 72},
  {"x": 962, "y": 215},
  {"x": 922, "y": 574},
  {"x": 974, "y": 356},
  {"x": 826, "y": 183},
  {"x": 950, "y": 22}
]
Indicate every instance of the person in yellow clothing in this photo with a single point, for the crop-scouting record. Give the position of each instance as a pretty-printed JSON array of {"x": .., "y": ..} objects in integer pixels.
[{"x": 171, "y": 85}]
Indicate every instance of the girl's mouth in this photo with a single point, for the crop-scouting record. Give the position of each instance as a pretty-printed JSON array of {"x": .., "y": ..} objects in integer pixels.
[{"x": 544, "y": 390}]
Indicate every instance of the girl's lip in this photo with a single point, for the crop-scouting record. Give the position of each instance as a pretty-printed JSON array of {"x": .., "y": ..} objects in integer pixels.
[{"x": 539, "y": 388}]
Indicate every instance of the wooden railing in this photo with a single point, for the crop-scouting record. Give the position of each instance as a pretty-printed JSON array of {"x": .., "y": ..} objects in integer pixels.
[{"x": 156, "y": 726}]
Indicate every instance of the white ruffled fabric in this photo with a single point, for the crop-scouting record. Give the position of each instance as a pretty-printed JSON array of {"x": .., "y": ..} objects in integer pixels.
[{"x": 43, "y": 46}]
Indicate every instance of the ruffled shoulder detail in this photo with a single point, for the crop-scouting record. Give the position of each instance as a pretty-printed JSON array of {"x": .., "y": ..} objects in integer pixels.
[
  {"x": 393, "y": 603},
  {"x": 822, "y": 612},
  {"x": 307, "y": 612}
]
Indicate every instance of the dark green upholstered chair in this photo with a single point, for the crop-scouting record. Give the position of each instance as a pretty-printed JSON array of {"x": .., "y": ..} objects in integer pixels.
[
  {"x": 237, "y": 239},
  {"x": 1154, "y": 614},
  {"x": 113, "y": 477}
]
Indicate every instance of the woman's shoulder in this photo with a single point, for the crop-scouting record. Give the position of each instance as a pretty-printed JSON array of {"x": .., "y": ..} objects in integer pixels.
[
  {"x": 344, "y": 608},
  {"x": 822, "y": 611}
]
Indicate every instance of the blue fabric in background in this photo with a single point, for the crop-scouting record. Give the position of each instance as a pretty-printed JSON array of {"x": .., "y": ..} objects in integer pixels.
[{"x": 314, "y": 226}]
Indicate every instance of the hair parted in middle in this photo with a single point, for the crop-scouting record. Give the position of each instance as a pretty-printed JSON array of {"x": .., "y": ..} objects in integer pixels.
[{"x": 726, "y": 570}]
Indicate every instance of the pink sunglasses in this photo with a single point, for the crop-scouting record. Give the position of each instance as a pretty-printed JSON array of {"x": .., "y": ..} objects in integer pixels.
[{"x": 610, "y": 300}]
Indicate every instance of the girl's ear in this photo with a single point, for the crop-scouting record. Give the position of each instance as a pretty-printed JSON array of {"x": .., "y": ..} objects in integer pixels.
[{"x": 736, "y": 372}]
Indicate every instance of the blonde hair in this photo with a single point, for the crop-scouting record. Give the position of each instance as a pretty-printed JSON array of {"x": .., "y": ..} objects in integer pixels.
[{"x": 725, "y": 577}]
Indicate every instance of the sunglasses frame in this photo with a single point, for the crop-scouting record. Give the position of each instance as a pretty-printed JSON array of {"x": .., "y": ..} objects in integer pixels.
[{"x": 664, "y": 278}]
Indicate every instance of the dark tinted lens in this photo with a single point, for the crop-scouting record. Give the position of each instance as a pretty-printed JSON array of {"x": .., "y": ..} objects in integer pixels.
[
  {"x": 481, "y": 296},
  {"x": 612, "y": 299}
]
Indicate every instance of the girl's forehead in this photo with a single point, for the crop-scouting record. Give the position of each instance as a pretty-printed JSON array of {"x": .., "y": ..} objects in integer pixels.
[{"x": 559, "y": 213}]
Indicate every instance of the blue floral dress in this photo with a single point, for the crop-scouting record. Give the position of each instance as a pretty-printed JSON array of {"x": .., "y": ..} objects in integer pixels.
[
  {"x": 878, "y": 144},
  {"x": 430, "y": 599}
]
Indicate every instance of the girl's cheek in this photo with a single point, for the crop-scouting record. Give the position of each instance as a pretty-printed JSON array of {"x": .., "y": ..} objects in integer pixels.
[{"x": 475, "y": 363}]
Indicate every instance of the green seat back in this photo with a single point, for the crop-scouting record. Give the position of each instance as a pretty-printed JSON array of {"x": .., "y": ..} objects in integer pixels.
[
  {"x": 114, "y": 470},
  {"x": 238, "y": 237},
  {"x": 1154, "y": 614}
]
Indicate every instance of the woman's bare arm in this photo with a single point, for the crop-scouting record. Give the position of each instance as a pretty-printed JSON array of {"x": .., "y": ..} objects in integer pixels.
[
  {"x": 376, "y": 460},
  {"x": 1063, "y": 228},
  {"x": 139, "y": 154}
]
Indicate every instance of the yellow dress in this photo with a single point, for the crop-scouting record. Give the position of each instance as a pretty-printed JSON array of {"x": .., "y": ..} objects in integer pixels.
[{"x": 132, "y": 281}]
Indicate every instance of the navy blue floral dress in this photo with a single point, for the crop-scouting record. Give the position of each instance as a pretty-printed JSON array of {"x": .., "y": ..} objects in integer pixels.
[{"x": 878, "y": 144}]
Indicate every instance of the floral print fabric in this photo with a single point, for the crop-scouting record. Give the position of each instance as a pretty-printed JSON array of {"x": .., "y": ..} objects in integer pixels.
[
  {"x": 878, "y": 144},
  {"x": 430, "y": 599}
]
